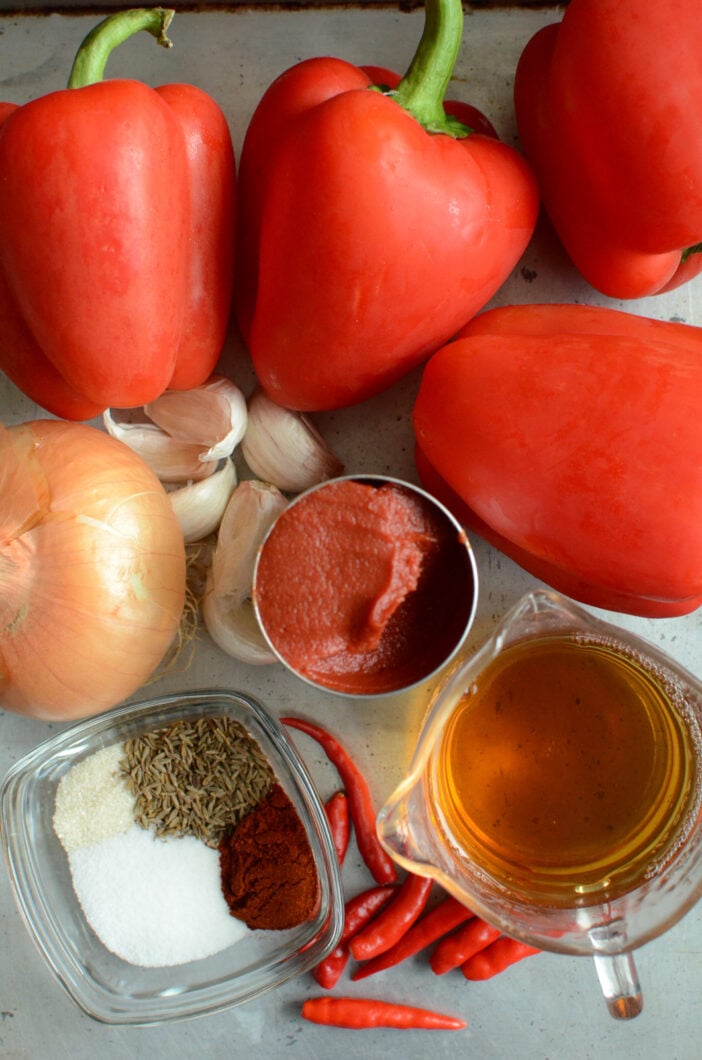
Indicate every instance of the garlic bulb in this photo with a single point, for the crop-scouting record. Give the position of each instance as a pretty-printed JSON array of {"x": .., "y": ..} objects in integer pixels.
[
  {"x": 199, "y": 506},
  {"x": 183, "y": 434},
  {"x": 227, "y": 607},
  {"x": 285, "y": 448}
]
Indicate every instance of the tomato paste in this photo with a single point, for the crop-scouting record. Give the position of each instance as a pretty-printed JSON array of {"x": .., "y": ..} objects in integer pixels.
[{"x": 364, "y": 588}]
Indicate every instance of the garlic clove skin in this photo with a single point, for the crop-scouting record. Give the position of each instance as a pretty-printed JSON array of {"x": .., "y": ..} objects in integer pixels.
[
  {"x": 212, "y": 415},
  {"x": 238, "y": 634},
  {"x": 199, "y": 506},
  {"x": 285, "y": 448},
  {"x": 227, "y": 607},
  {"x": 171, "y": 460}
]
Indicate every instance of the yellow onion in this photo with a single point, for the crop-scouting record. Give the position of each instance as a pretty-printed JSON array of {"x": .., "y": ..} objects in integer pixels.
[{"x": 92, "y": 570}]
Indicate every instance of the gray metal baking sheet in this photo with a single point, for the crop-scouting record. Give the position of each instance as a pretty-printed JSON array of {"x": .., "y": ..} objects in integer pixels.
[{"x": 547, "y": 1008}]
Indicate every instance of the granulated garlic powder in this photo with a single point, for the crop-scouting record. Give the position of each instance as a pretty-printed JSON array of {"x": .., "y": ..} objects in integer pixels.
[{"x": 93, "y": 801}]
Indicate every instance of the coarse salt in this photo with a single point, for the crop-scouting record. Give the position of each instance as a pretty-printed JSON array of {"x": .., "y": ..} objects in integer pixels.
[
  {"x": 93, "y": 801},
  {"x": 154, "y": 902}
]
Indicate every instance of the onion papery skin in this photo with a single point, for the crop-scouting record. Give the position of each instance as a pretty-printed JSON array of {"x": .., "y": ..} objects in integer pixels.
[{"x": 92, "y": 570}]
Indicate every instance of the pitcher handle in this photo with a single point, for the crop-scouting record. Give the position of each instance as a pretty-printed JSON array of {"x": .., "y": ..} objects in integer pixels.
[
  {"x": 619, "y": 981},
  {"x": 616, "y": 970}
]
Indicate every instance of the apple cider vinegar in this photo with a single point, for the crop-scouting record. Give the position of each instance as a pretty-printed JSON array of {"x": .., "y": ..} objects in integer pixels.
[{"x": 567, "y": 770}]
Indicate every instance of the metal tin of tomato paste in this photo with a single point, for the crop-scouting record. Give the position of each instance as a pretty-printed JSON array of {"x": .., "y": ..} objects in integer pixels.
[{"x": 365, "y": 585}]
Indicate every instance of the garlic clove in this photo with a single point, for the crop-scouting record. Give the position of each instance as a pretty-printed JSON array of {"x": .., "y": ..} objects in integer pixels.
[
  {"x": 238, "y": 634},
  {"x": 227, "y": 607},
  {"x": 170, "y": 459},
  {"x": 199, "y": 506},
  {"x": 285, "y": 448},
  {"x": 212, "y": 415}
]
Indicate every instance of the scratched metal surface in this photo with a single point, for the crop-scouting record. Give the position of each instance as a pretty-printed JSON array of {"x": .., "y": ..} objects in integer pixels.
[{"x": 545, "y": 1008}]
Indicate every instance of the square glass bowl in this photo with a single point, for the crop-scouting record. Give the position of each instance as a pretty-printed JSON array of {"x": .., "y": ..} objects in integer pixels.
[{"x": 106, "y": 987}]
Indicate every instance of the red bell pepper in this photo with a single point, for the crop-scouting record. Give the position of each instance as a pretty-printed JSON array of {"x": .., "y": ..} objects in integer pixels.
[
  {"x": 372, "y": 224},
  {"x": 570, "y": 437},
  {"x": 607, "y": 105},
  {"x": 117, "y": 210}
]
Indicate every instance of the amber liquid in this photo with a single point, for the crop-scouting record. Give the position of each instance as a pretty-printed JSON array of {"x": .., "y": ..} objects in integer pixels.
[{"x": 568, "y": 771}]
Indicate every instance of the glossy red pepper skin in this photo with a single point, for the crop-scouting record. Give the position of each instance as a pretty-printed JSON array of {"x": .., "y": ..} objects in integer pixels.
[
  {"x": 364, "y": 241},
  {"x": 444, "y": 917},
  {"x": 360, "y": 802},
  {"x": 358, "y": 911},
  {"x": 495, "y": 958},
  {"x": 395, "y": 920},
  {"x": 573, "y": 436},
  {"x": 607, "y": 105},
  {"x": 116, "y": 243},
  {"x": 337, "y": 811},
  {"x": 460, "y": 946}
]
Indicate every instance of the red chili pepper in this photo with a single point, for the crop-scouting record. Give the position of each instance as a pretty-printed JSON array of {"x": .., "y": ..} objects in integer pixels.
[
  {"x": 337, "y": 811},
  {"x": 496, "y": 957},
  {"x": 395, "y": 920},
  {"x": 360, "y": 802},
  {"x": 329, "y": 971},
  {"x": 116, "y": 225},
  {"x": 408, "y": 215},
  {"x": 358, "y": 911},
  {"x": 446, "y": 916},
  {"x": 358, "y": 1013},
  {"x": 457, "y": 948}
]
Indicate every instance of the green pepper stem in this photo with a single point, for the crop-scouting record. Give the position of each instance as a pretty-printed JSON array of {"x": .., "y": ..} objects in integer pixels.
[
  {"x": 423, "y": 88},
  {"x": 689, "y": 251},
  {"x": 91, "y": 58}
]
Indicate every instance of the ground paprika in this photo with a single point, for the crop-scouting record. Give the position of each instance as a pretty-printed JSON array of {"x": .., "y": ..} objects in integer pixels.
[{"x": 269, "y": 878}]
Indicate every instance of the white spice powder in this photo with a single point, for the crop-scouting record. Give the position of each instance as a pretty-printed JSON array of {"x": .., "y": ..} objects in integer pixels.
[
  {"x": 154, "y": 902},
  {"x": 93, "y": 801}
]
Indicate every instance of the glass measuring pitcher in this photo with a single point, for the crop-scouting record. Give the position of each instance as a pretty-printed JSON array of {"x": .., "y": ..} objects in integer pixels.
[{"x": 556, "y": 789}]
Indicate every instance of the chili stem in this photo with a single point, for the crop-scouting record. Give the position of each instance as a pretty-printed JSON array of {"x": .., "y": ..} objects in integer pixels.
[{"x": 91, "y": 58}]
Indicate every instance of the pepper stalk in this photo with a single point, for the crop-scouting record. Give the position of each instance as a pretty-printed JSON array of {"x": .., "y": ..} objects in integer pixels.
[
  {"x": 422, "y": 90},
  {"x": 91, "y": 58}
]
